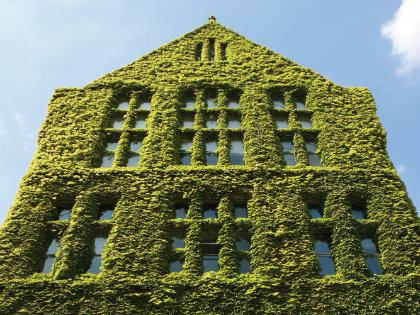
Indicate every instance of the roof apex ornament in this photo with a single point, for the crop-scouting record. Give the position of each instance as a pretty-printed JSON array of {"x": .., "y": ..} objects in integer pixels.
[{"x": 212, "y": 18}]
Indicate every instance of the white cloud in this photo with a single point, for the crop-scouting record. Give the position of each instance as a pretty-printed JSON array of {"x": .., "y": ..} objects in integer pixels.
[
  {"x": 404, "y": 32},
  {"x": 401, "y": 168}
]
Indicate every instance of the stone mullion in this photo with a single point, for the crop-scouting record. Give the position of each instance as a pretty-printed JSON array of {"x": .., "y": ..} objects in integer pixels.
[
  {"x": 193, "y": 257},
  {"x": 391, "y": 210},
  {"x": 227, "y": 255},
  {"x": 260, "y": 145},
  {"x": 76, "y": 245},
  {"x": 300, "y": 150},
  {"x": 198, "y": 154},
  {"x": 345, "y": 247}
]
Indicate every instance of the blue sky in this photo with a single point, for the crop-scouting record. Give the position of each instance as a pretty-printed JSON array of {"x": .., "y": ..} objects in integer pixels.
[{"x": 45, "y": 44}]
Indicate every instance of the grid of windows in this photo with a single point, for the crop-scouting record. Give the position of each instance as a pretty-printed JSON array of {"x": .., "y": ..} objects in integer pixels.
[
  {"x": 293, "y": 122},
  {"x": 217, "y": 115},
  {"x": 208, "y": 243},
  {"x": 126, "y": 133}
]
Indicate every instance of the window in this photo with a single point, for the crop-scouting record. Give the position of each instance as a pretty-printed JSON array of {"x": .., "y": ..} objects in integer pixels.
[
  {"x": 300, "y": 104},
  {"x": 178, "y": 241},
  {"x": 185, "y": 155},
  {"x": 211, "y": 49},
  {"x": 118, "y": 122},
  {"x": 211, "y": 120},
  {"x": 223, "y": 47},
  {"x": 372, "y": 257},
  {"x": 64, "y": 212},
  {"x": 324, "y": 257},
  {"x": 187, "y": 120},
  {"x": 278, "y": 102},
  {"x": 210, "y": 251},
  {"x": 315, "y": 211},
  {"x": 305, "y": 121},
  {"x": 123, "y": 106},
  {"x": 134, "y": 155},
  {"x": 233, "y": 102},
  {"x": 210, "y": 212},
  {"x": 50, "y": 257},
  {"x": 233, "y": 122},
  {"x": 181, "y": 212},
  {"x": 96, "y": 262},
  {"x": 237, "y": 152},
  {"x": 211, "y": 154},
  {"x": 109, "y": 155},
  {"x": 140, "y": 122},
  {"x": 198, "y": 51},
  {"x": 358, "y": 212},
  {"x": 176, "y": 266},
  {"x": 288, "y": 152},
  {"x": 240, "y": 211},
  {"x": 281, "y": 121},
  {"x": 144, "y": 104},
  {"x": 311, "y": 149},
  {"x": 106, "y": 212},
  {"x": 243, "y": 247},
  {"x": 211, "y": 101},
  {"x": 189, "y": 102}
]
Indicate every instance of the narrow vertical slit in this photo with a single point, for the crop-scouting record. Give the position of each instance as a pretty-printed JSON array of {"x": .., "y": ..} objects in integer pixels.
[
  {"x": 211, "y": 49},
  {"x": 198, "y": 51},
  {"x": 223, "y": 50}
]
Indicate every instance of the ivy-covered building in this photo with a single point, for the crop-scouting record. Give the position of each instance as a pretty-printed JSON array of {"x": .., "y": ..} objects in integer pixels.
[{"x": 211, "y": 176}]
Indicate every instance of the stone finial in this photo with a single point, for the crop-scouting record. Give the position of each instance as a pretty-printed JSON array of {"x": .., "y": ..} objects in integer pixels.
[{"x": 212, "y": 18}]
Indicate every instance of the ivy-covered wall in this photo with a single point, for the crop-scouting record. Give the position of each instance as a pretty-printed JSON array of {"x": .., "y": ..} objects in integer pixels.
[{"x": 284, "y": 273}]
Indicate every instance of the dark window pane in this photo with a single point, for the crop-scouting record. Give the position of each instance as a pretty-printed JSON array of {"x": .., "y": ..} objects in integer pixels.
[
  {"x": 176, "y": 266},
  {"x": 95, "y": 265},
  {"x": 244, "y": 266},
  {"x": 242, "y": 244},
  {"x": 373, "y": 264},
  {"x": 185, "y": 158},
  {"x": 106, "y": 214},
  {"x": 53, "y": 248},
  {"x": 327, "y": 267},
  {"x": 311, "y": 146},
  {"x": 305, "y": 122},
  {"x": 181, "y": 213},
  {"x": 64, "y": 214},
  {"x": 135, "y": 146},
  {"x": 287, "y": 146},
  {"x": 300, "y": 105},
  {"x": 236, "y": 159},
  {"x": 289, "y": 158},
  {"x": 123, "y": 105},
  {"x": 189, "y": 103},
  {"x": 48, "y": 265},
  {"x": 211, "y": 121},
  {"x": 314, "y": 159},
  {"x": 321, "y": 248},
  {"x": 210, "y": 212},
  {"x": 315, "y": 212},
  {"x": 233, "y": 104},
  {"x": 144, "y": 105},
  {"x": 281, "y": 123},
  {"x": 241, "y": 212},
  {"x": 108, "y": 160},
  {"x": 140, "y": 122},
  {"x": 210, "y": 263},
  {"x": 211, "y": 103},
  {"x": 357, "y": 212},
  {"x": 237, "y": 152},
  {"x": 111, "y": 146},
  {"x": 133, "y": 161},
  {"x": 178, "y": 242},
  {"x": 211, "y": 159},
  {"x": 118, "y": 122},
  {"x": 99, "y": 245},
  {"x": 234, "y": 124},
  {"x": 368, "y": 246},
  {"x": 188, "y": 120},
  {"x": 211, "y": 156},
  {"x": 278, "y": 104}
]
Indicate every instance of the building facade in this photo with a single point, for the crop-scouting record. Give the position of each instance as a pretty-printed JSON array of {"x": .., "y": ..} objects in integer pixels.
[{"x": 211, "y": 176}]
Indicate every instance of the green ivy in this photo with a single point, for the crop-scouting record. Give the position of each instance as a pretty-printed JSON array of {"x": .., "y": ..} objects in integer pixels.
[{"x": 284, "y": 278}]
